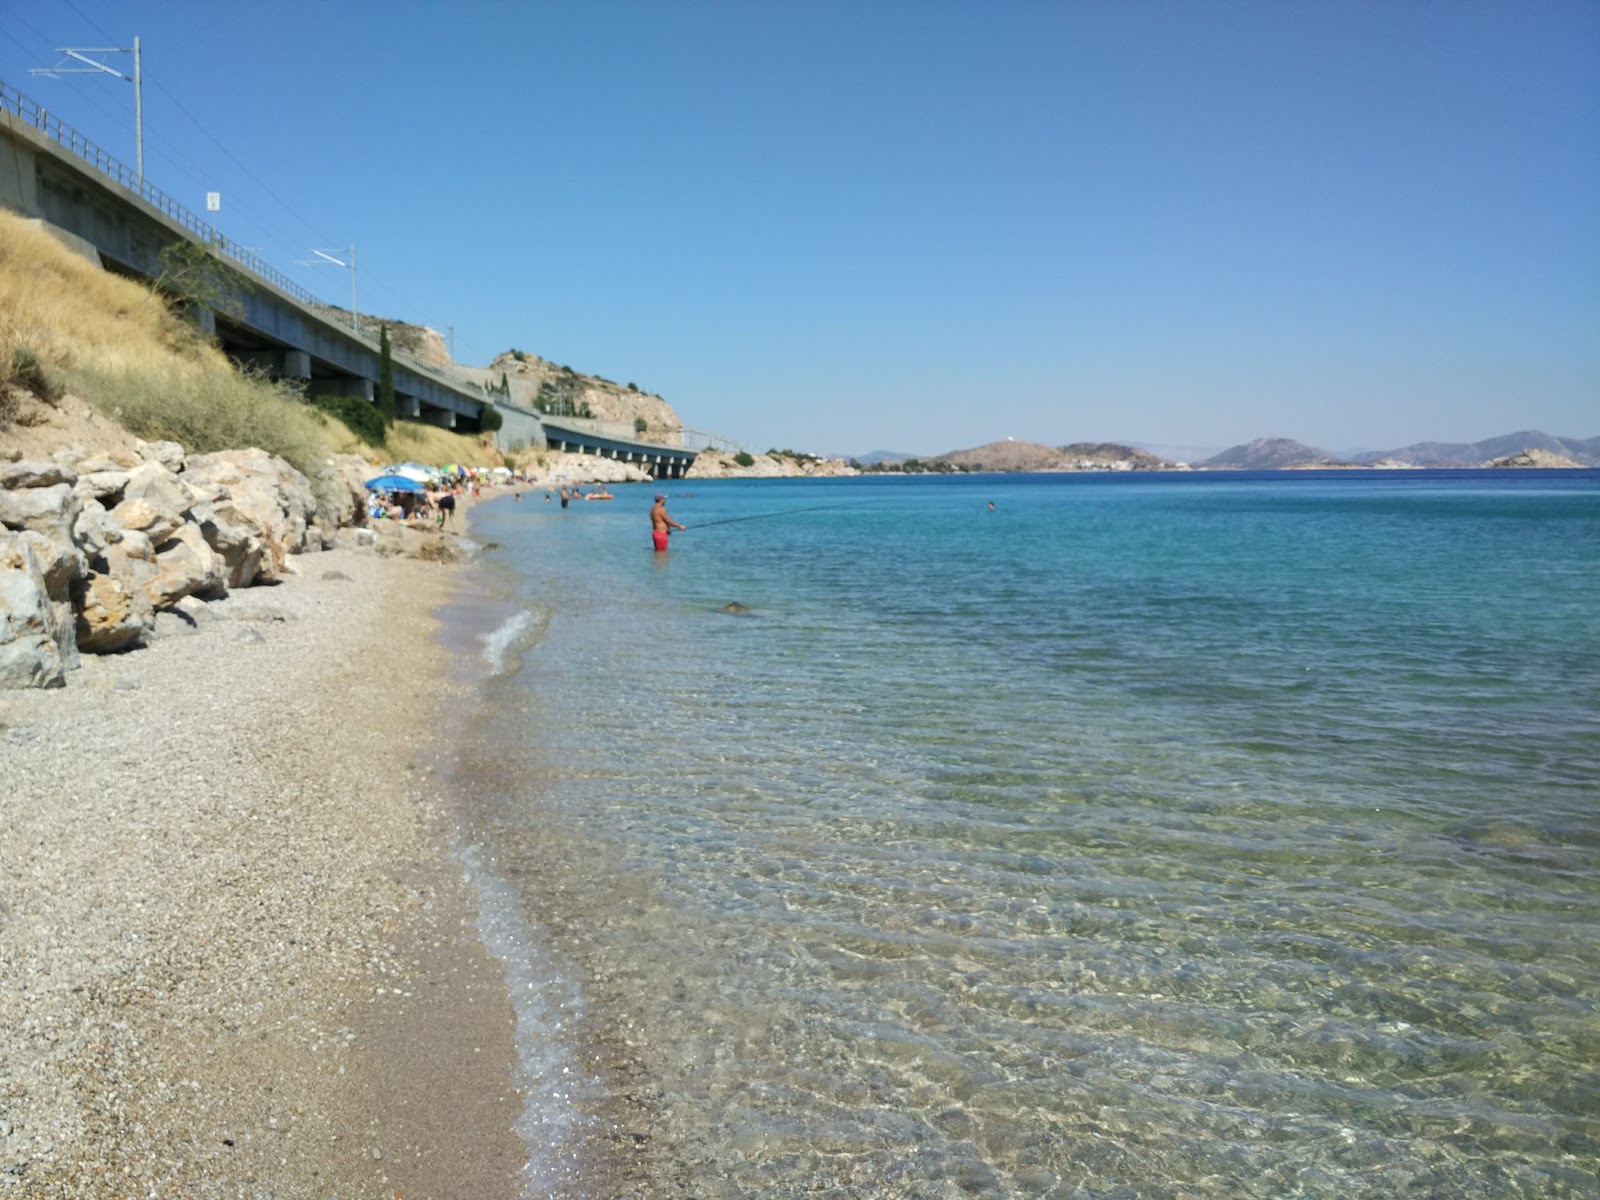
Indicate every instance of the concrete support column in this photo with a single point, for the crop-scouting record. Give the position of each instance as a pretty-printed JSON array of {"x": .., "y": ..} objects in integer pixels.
[
  {"x": 282, "y": 364},
  {"x": 205, "y": 319},
  {"x": 408, "y": 406},
  {"x": 442, "y": 417}
]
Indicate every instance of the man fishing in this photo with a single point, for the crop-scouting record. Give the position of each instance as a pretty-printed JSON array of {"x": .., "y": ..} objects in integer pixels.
[{"x": 661, "y": 525}]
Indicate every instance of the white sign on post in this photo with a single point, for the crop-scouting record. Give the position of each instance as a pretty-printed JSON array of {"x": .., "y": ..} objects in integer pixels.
[{"x": 213, "y": 201}]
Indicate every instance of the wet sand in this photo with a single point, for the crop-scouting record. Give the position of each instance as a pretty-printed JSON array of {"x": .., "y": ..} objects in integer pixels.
[{"x": 236, "y": 957}]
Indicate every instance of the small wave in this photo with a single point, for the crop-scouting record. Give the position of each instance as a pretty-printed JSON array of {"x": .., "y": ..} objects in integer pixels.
[
  {"x": 547, "y": 1004},
  {"x": 501, "y": 643}
]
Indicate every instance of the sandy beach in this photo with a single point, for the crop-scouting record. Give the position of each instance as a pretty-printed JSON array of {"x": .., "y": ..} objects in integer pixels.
[{"x": 236, "y": 957}]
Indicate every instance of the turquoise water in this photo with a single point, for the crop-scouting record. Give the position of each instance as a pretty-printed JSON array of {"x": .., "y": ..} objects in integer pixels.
[{"x": 1205, "y": 836}]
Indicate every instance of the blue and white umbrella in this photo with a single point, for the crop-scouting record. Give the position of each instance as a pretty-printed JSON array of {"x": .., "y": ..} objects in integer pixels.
[{"x": 394, "y": 483}]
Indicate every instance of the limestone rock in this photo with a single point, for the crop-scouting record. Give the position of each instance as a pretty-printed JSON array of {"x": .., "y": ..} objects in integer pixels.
[
  {"x": 185, "y": 566},
  {"x": 111, "y": 460},
  {"x": 168, "y": 454},
  {"x": 31, "y": 654},
  {"x": 239, "y": 549},
  {"x": 267, "y": 498},
  {"x": 155, "y": 523},
  {"x": 51, "y": 510},
  {"x": 112, "y": 617},
  {"x": 35, "y": 474},
  {"x": 160, "y": 488},
  {"x": 350, "y": 473},
  {"x": 95, "y": 529},
  {"x": 101, "y": 485}
]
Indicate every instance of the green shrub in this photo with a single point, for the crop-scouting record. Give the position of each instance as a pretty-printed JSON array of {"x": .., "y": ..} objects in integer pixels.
[
  {"x": 640, "y": 425},
  {"x": 387, "y": 407},
  {"x": 490, "y": 419},
  {"x": 28, "y": 372},
  {"x": 744, "y": 459},
  {"x": 360, "y": 417}
]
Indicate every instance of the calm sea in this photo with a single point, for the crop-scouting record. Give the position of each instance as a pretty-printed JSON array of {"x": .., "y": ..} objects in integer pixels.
[{"x": 1146, "y": 836}]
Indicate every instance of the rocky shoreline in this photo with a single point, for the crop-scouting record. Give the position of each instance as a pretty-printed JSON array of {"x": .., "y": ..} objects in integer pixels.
[{"x": 236, "y": 955}]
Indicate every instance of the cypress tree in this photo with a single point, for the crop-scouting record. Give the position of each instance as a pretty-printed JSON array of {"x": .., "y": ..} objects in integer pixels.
[{"x": 386, "y": 404}]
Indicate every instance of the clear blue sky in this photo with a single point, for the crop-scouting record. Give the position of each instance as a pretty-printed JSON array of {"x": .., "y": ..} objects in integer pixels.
[{"x": 913, "y": 224}]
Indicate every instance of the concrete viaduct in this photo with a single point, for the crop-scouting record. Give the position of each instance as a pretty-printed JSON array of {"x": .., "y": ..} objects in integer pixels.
[
  {"x": 50, "y": 172},
  {"x": 57, "y": 175}
]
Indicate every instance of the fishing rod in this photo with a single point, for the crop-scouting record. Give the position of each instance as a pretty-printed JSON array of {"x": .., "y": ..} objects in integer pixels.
[{"x": 784, "y": 513}]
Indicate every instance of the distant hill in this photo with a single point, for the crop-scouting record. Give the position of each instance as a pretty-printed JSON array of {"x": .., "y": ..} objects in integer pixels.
[
  {"x": 1112, "y": 456},
  {"x": 1535, "y": 458},
  {"x": 1012, "y": 455},
  {"x": 1585, "y": 451},
  {"x": 1270, "y": 454},
  {"x": 873, "y": 457},
  {"x": 1009, "y": 455}
]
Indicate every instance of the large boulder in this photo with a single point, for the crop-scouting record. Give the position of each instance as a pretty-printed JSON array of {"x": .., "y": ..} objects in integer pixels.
[
  {"x": 158, "y": 524},
  {"x": 34, "y": 649},
  {"x": 266, "y": 497},
  {"x": 185, "y": 566},
  {"x": 232, "y": 541},
  {"x": 112, "y": 616},
  {"x": 160, "y": 489},
  {"x": 50, "y": 510},
  {"x": 349, "y": 474}
]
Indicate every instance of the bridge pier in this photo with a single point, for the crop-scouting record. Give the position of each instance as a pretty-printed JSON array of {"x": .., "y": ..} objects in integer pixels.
[
  {"x": 442, "y": 417},
  {"x": 408, "y": 407},
  {"x": 282, "y": 364}
]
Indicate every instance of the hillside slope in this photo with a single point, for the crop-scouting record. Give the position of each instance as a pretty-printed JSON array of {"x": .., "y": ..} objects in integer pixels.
[{"x": 544, "y": 386}]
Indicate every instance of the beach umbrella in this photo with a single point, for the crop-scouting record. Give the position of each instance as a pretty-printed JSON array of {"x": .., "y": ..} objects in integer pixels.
[
  {"x": 394, "y": 483},
  {"x": 417, "y": 471}
]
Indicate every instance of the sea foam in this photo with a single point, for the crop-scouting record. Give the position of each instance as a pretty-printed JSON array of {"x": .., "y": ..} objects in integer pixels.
[
  {"x": 501, "y": 643},
  {"x": 548, "y": 1004}
]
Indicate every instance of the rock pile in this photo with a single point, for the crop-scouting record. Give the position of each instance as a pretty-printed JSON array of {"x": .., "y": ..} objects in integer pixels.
[{"x": 94, "y": 547}]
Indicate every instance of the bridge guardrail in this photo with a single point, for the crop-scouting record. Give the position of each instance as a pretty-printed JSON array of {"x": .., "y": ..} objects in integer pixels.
[{"x": 58, "y": 131}]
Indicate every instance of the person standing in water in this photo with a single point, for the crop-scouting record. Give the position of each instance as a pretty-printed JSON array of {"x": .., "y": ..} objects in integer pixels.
[{"x": 661, "y": 525}]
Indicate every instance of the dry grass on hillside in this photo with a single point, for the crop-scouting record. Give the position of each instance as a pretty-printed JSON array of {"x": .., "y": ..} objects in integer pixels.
[
  {"x": 113, "y": 342},
  {"x": 67, "y": 324}
]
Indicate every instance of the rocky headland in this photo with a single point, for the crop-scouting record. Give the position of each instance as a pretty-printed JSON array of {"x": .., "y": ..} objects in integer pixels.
[{"x": 722, "y": 464}]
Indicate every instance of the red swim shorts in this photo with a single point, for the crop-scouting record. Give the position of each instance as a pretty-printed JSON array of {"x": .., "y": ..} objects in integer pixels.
[{"x": 660, "y": 538}]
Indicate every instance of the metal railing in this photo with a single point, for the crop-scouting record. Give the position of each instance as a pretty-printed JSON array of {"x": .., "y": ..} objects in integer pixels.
[
  {"x": 704, "y": 439},
  {"x": 66, "y": 136}
]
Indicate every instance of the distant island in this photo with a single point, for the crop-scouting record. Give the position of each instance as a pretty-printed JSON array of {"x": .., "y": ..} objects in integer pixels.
[{"x": 1529, "y": 448}]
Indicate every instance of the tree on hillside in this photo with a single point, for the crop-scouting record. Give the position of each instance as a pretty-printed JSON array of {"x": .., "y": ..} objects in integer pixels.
[
  {"x": 505, "y": 386},
  {"x": 490, "y": 419},
  {"x": 386, "y": 404},
  {"x": 194, "y": 275}
]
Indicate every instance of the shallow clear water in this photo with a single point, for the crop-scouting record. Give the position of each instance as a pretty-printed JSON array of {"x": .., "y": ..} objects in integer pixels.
[{"x": 1182, "y": 836}]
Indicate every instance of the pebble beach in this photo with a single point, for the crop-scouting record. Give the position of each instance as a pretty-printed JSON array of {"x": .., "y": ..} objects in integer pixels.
[{"x": 236, "y": 955}]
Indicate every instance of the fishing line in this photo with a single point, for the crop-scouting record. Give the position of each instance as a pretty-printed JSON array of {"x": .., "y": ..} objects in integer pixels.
[{"x": 784, "y": 513}]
